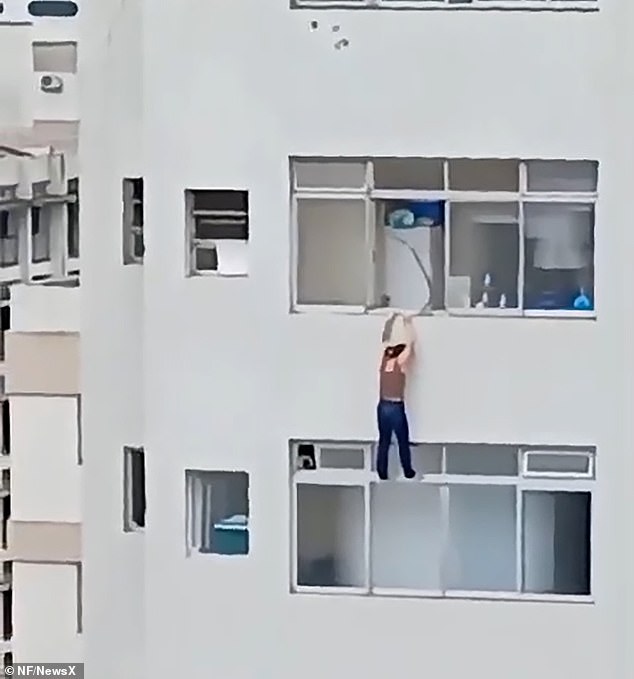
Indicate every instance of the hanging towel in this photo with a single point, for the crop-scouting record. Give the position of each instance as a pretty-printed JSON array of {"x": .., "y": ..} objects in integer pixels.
[
  {"x": 24, "y": 189},
  {"x": 56, "y": 173}
]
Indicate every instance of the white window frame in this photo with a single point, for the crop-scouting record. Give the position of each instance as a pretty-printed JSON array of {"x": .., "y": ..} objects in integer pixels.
[
  {"x": 369, "y": 195},
  {"x": 194, "y": 243},
  {"x": 474, "y": 5},
  {"x": 444, "y": 481},
  {"x": 199, "y": 511},
  {"x": 130, "y": 229},
  {"x": 129, "y": 524},
  {"x": 527, "y": 453}
]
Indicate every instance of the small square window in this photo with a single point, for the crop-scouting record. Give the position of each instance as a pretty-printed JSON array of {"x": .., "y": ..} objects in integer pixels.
[
  {"x": 55, "y": 57},
  {"x": 217, "y": 231},
  {"x": 217, "y": 512},
  {"x": 330, "y": 536},
  {"x": 133, "y": 221},
  {"x": 133, "y": 489}
]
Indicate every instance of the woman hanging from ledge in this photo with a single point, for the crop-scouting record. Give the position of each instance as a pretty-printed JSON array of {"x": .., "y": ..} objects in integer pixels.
[{"x": 398, "y": 348}]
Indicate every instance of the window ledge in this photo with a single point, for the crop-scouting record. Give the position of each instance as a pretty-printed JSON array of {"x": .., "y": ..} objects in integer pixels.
[
  {"x": 442, "y": 313},
  {"x": 502, "y": 597},
  {"x": 216, "y": 274},
  {"x": 442, "y": 5}
]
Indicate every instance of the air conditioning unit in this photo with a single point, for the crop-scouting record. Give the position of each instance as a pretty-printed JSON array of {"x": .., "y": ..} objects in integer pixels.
[{"x": 51, "y": 83}]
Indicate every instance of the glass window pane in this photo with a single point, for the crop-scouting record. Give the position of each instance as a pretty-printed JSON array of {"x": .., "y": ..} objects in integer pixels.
[
  {"x": 484, "y": 255},
  {"x": 53, "y": 8},
  {"x": 467, "y": 174},
  {"x": 559, "y": 250},
  {"x": 426, "y": 459},
  {"x": 40, "y": 235},
  {"x": 485, "y": 460},
  {"x": 557, "y": 463},
  {"x": 407, "y": 535},
  {"x": 330, "y": 536},
  {"x": 332, "y": 266},
  {"x": 8, "y": 239},
  {"x": 342, "y": 458},
  {"x": 330, "y": 175},
  {"x": 556, "y": 546},
  {"x": 206, "y": 259},
  {"x": 408, "y": 173},
  {"x": 562, "y": 175},
  {"x": 482, "y": 539}
]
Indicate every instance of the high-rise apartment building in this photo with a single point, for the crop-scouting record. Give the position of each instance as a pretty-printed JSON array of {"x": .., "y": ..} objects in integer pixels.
[
  {"x": 41, "y": 581},
  {"x": 290, "y": 175}
]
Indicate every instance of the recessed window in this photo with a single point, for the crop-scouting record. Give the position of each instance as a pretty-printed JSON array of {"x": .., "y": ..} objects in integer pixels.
[
  {"x": 40, "y": 234},
  {"x": 8, "y": 238},
  {"x": 72, "y": 218},
  {"x": 53, "y": 8},
  {"x": 133, "y": 219},
  {"x": 133, "y": 489},
  {"x": 217, "y": 232},
  {"x": 55, "y": 57},
  {"x": 478, "y": 523},
  {"x": 217, "y": 512},
  {"x": 463, "y": 236}
]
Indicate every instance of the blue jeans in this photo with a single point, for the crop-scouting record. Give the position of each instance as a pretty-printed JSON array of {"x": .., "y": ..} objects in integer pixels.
[{"x": 392, "y": 418}]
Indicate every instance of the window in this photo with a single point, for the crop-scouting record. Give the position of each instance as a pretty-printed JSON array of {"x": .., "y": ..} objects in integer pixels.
[
  {"x": 40, "y": 235},
  {"x": 6, "y": 426},
  {"x": 8, "y": 239},
  {"x": 479, "y": 523},
  {"x": 79, "y": 571},
  {"x": 553, "y": 5},
  {"x": 72, "y": 217},
  {"x": 133, "y": 207},
  {"x": 133, "y": 489},
  {"x": 55, "y": 57},
  {"x": 434, "y": 235},
  {"x": 217, "y": 232},
  {"x": 53, "y": 8},
  {"x": 217, "y": 512},
  {"x": 5, "y": 324}
]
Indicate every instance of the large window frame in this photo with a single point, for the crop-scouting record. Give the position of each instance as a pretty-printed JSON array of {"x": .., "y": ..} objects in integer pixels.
[
  {"x": 313, "y": 472},
  {"x": 453, "y": 5},
  {"x": 372, "y": 196}
]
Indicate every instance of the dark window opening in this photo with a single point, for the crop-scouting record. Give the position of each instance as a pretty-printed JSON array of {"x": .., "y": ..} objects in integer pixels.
[
  {"x": 134, "y": 477},
  {"x": 53, "y": 8}
]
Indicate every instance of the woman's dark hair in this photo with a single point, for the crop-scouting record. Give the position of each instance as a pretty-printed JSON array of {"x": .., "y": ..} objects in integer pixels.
[{"x": 394, "y": 351}]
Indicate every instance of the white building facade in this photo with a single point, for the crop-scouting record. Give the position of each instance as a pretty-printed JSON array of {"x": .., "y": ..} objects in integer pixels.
[
  {"x": 39, "y": 268},
  {"x": 288, "y": 180}
]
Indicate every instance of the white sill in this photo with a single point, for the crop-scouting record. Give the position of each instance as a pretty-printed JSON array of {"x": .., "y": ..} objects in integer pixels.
[
  {"x": 437, "y": 594},
  {"x": 487, "y": 312},
  {"x": 477, "y": 5},
  {"x": 217, "y": 274}
]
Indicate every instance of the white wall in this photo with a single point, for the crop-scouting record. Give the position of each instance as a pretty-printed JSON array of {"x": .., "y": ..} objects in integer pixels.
[
  {"x": 45, "y": 613},
  {"x": 45, "y": 474},
  {"x": 36, "y": 308},
  {"x": 112, "y": 338},
  {"x": 15, "y": 69},
  {"x": 229, "y": 376}
]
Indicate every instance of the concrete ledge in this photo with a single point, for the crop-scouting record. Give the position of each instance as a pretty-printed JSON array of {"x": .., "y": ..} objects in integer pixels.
[
  {"x": 44, "y": 363},
  {"x": 44, "y": 542}
]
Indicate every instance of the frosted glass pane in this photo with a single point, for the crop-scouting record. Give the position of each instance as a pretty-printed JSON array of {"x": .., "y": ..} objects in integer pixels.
[{"x": 407, "y": 535}]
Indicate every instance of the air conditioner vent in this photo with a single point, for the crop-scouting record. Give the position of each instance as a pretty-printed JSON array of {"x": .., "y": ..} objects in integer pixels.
[{"x": 51, "y": 83}]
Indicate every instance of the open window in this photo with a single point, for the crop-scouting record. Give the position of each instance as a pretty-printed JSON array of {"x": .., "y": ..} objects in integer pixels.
[
  {"x": 55, "y": 57},
  {"x": 134, "y": 502},
  {"x": 217, "y": 510},
  {"x": 133, "y": 220},
  {"x": 217, "y": 232},
  {"x": 463, "y": 235},
  {"x": 330, "y": 536}
]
